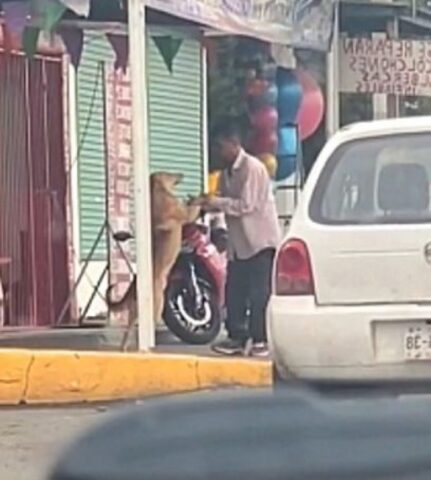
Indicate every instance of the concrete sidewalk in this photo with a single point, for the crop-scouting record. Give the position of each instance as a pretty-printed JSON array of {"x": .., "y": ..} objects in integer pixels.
[
  {"x": 94, "y": 339},
  {"x": 71, "y": 366}
]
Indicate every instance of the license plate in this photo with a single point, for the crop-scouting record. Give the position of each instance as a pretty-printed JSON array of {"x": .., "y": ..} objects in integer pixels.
[{"x": 417, "y": 342}]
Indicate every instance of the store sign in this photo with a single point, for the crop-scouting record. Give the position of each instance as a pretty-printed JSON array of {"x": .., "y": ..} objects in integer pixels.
[
  {"x": 302, "y": 23},
  {"x": 400, "y": 67}
]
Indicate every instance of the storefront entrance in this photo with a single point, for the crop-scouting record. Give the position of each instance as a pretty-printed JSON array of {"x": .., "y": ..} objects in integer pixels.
[{"x": 33, "y": 233}]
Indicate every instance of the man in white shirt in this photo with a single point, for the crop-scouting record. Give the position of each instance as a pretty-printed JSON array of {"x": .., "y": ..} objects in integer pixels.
[{"x": 247, "y": 200}]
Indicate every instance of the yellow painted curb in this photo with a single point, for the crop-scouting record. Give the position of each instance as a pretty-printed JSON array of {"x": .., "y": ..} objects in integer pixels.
[
  {"x": 40, "y": 376},
  {"x": 14, "y": 368},
  {"x": 216, "y": 372}
]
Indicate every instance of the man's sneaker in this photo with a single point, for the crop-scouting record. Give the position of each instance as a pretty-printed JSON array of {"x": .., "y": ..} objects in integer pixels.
[
  {"x": 229, "y": 347},
  {"x": 259, "y": 350}
]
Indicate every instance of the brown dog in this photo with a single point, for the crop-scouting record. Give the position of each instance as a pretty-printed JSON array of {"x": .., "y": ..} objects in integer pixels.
[{"x": 168, "y": 216}]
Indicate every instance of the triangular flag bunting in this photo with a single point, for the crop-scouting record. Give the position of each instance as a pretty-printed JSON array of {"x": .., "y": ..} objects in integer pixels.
[
  {"x": 80, "y": 7},
  {"x": 53, "y": 13},
  {"x": 16, "y": 14},
  {"x": 47, "y": 13},
  {"x": 73, "y": 39},
  {"x": 168, "y": 48},
  {"x": 29, "y": 40},
  {"x": 120, "y": 45}
]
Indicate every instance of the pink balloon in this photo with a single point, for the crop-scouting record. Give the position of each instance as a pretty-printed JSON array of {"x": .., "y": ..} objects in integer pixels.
[
  {"x": 311, "y": 111},
  {"x": 266, "y": 142},
  {"x": 265, "y": 119}
]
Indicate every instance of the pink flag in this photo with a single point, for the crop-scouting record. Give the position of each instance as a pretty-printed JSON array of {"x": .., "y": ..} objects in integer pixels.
[{"x": 16, "y": 14}]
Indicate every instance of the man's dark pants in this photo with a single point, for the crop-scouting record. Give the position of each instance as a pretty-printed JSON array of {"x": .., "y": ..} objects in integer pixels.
[{"x": 248, "y": 286}]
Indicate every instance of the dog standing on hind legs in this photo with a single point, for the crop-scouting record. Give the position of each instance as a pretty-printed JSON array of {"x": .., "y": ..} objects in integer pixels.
[{"x": 168, "y": 216}]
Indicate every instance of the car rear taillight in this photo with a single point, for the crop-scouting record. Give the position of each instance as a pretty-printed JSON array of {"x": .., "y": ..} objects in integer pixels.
[{"x": 293, "y": 275}]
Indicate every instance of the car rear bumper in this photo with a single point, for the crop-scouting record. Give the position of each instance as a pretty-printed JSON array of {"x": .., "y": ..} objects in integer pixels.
[{"x": 360, "y": 343}]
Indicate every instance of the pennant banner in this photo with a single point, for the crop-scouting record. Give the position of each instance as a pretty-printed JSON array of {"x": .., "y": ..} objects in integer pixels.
[
  {"x": 168, "y": 48},
  {"x": 47, "y": 13},
  {"x": 300, "y": 23},
  {"x": 52, "y": 15},
  {"x": 29, "y": 40},
  {"x": 73, "y": 39},
  {"x": 120, "y": 45},
  {"x": 16, "y": 14}
]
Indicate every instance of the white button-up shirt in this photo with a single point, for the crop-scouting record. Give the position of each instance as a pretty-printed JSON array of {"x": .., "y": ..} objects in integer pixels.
[{"x": 247, "y": 200}]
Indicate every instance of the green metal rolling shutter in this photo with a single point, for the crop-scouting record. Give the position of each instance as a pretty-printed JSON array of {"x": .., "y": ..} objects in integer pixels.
[
  {"x": 91, "y": 142},
  {"x": 175, "y": 111},
  {"x": 175, "y": 129}
]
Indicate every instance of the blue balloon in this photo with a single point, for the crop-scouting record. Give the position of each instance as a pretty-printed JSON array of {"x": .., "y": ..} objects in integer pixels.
[
  {"x": 289, "y": 96},
  {"x": 288, "y": 141},
  {"x": 286, "y": 166}
]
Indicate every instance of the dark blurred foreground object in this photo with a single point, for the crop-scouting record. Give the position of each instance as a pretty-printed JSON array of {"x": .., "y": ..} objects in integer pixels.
[{"x": 258, "y": 436}]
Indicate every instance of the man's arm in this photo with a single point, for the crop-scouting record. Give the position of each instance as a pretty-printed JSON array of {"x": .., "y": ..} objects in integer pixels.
[{"x": 252, "y": 195}]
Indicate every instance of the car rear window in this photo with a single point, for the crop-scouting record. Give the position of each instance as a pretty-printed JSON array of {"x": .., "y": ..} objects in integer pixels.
[{"x": 376, "y": 180}]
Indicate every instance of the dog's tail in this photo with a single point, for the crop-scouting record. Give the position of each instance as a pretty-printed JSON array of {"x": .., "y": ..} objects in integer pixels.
[{"x": 119, "y": 304}]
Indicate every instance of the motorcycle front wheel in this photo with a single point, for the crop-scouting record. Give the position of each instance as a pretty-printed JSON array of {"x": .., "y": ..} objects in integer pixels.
[{"x": 192, "y": 324}]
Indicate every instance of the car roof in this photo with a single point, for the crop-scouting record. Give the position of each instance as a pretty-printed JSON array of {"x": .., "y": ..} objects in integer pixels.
[
  {"x": 405, "y": 125},
  {"x": 258, "y": 436}
]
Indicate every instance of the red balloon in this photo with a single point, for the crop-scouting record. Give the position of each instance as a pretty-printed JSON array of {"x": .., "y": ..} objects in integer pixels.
[
  {"x": 265, "y": 119},
  {"x": 266, "y": 142},
  {"x": 311, "y": 111}
]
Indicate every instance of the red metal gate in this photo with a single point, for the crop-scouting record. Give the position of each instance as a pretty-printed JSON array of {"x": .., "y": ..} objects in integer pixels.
[{"x": 33, "y": 243}]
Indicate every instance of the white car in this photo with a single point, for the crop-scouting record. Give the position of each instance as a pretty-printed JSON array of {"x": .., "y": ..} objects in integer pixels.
[{"x": 352, "y": 280}]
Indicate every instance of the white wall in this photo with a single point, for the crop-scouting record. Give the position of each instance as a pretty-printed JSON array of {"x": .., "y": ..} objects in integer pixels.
[{"x": 95, "y": 268}]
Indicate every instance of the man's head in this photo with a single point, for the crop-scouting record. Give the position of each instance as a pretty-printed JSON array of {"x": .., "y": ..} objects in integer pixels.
[{"x": 227, "y": 141}]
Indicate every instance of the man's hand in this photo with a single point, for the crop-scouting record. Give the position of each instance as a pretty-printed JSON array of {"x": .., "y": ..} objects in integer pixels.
[
  {"x": 205, "y": 201},
  {"x": 202, "y": 200}
]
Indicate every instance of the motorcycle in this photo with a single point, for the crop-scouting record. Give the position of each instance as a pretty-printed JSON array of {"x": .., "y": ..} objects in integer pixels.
[{"x": 194, "y": 296}]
